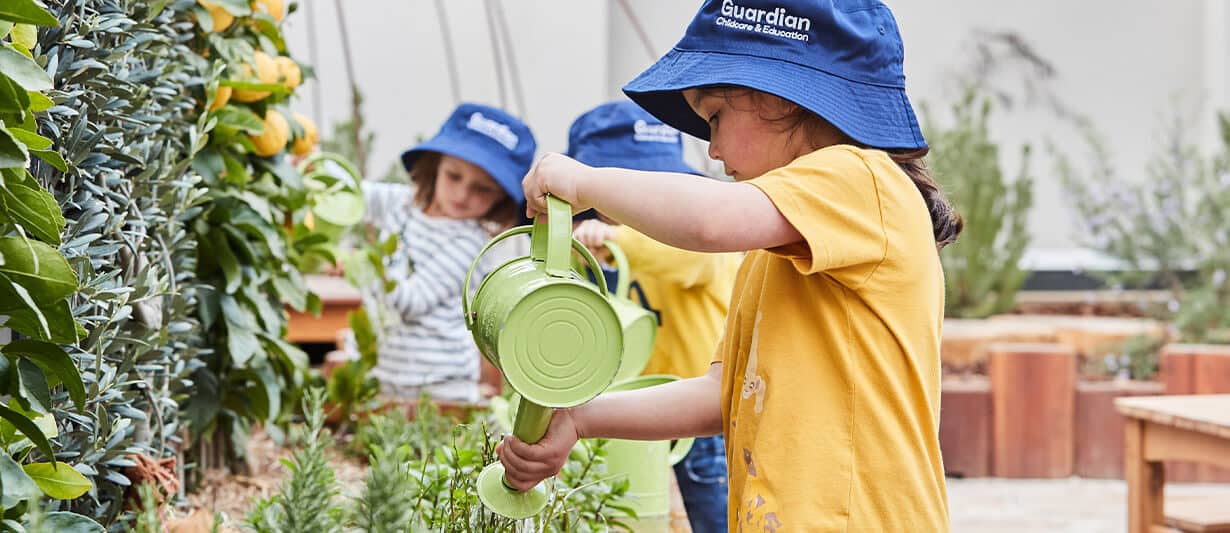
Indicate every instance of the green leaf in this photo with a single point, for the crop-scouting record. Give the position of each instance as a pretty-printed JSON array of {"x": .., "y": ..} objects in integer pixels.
[
  {"x": 34, "y": 386},
  {"x": 208, "y": 163},
  {"x": 13, "y": 154},
  {"x": 27, "y": 428},
  {"x": 66, "y": 522},
  {"x": 14, "y": 100},
  {"x": 275, "y": 88},
  {"x": 269, "y": 28},
  {"x": 241, "y": 119},
  {"x": 238, "y": 8},
  {"x": 23, "y": 70},
  {"x": 227, "y": 260},
  {"x": 342, "y": 208},
  {"x": 26, "y": 11},
  {"x": 35, "y": 209},
  {"x": 58, "y": 318},
  {"x": 16, "y": 484},
  {"x": 364, "y": 335},
  {"x": 39, "y": 101},
  {"x": 5, "y": 28},
  {"x": 22, "y": 297},
  {"x": 37, "y": 267},
  {"x": 59, "y": 480},
  {"x": 241, "y": 340},
  {"x": 25, "y": 35},
  {"x": 53, "y": 360},
  {"x": 32, "y": 140},
  {"x": 51, "y": 157}
]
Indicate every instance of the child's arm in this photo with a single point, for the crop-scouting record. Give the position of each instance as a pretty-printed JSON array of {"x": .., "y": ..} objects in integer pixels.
[
  {"x": 681, "y": 210},
  {"x": 434, "y": 279},
  {"x": 687, "y": 408},
  {"x": 382, "y": 200}
]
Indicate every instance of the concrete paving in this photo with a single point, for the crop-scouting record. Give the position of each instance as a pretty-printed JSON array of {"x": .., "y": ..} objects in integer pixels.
[{"x": 1066, "y": 505}]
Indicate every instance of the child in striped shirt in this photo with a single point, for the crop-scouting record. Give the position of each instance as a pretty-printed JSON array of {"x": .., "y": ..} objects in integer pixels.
[{"x": 466, "y": 187}]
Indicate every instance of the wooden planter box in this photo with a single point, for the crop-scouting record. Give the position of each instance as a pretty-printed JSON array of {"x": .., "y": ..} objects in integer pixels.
[
  {"x": 1094, "y": 337},
  {"x": 965, "y": 427},
  {"x": 1033, "y": 410},
  {"x": 1099, "y": 426},
  {"x": 1195, "y": 369},
  {"x": 966, "y": 342}
]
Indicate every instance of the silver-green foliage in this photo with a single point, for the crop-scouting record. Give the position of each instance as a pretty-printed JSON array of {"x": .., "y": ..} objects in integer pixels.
[
  {"x": 305, "y": 499},
  {"x": 124, "y": 122},
  {"x": 982, "y": 268},
  {"x": 1172, "y": 228}
]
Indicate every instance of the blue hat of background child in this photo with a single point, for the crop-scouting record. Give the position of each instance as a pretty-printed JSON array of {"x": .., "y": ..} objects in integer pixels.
[
  {"x": 621, "y": 134},
  {"x": 488, "y": 137},
  {"x": 840, "y": 59}
]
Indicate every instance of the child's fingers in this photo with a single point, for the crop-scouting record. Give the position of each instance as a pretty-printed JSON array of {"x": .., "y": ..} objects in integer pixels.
[{"x": 523, "y": 473}]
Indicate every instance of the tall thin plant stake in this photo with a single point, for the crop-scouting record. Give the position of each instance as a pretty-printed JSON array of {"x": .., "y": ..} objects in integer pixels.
[
  {"x": 513, "y": 71},
  {"x": 356, "y": 115},
  {"x": 453, "y": 81},
  {"x": 495, "y": 53}
]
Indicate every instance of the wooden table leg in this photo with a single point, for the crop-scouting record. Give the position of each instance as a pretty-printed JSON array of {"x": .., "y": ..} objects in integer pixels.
[{"x": 1145, "y": 481}]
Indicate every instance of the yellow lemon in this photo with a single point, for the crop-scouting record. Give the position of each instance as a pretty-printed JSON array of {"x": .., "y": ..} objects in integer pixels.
[
  {"x": 222, "y": 18},
  {"x": 266, "y": 72},
  {"x": 289, "y": 72},
  {"x": 221, "y": 97},
  {"x": 310, "y": 137},
  {"x": 275, "y": 8},
  {"x": 273, "y": 139}
]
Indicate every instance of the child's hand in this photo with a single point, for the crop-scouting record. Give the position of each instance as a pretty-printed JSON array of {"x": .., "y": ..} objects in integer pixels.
[
  {"x": 556, "y": 174},
  {"x": 593, "y": 233},
  {"x": 527, "y": 464}
]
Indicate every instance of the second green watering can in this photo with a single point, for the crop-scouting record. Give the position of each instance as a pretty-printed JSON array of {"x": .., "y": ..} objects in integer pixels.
[
  {"x": 646, "y": 464},
  {"x": 640, "y": 325}
]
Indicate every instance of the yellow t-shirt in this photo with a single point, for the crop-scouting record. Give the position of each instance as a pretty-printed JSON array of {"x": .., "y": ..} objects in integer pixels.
[
  {"x": 690, "y": 291},
  {"x": 831, "y": 383}
]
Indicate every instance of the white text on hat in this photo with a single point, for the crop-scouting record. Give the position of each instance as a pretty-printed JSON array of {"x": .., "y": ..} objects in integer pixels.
[
  {"x": 777, "y": 17},
  {"x": 656, "y": 133},
  {"x": 496, "y": 130}
]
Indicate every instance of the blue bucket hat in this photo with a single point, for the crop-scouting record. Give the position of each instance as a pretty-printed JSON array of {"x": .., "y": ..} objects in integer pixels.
[
  {"x": 621, "y": 134},
  {"x": 840, "y": 59},
  {"x": 497, "y": 142}
]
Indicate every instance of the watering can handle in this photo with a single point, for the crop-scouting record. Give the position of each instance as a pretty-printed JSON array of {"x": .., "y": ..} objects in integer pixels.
[
  {"x": 621, "y": 266},
  {"x": 680, "y": 450},
  {"x": 466, "y": 303},
  {"x": 549, "y": 241}
]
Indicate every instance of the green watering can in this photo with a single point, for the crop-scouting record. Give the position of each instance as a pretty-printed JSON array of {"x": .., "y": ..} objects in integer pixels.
[
  {"x": 646, "y": 463},
  {"x": 640, "y": 325},
  {"x": 552, "y": 334}
]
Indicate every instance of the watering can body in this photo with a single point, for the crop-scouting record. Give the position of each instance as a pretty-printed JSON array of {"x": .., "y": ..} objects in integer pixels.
[
  {"x": 553, "y": 335},
  {"x": 646, "y": 464}
]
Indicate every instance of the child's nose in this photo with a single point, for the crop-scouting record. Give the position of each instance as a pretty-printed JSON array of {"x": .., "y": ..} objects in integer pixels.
[{"x": 713, "y": 152}]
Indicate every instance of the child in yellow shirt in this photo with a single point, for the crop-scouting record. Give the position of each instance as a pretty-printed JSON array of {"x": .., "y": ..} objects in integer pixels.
[
  {"x": 689, "y": 291},
  {"x": 826, "y": 383}
]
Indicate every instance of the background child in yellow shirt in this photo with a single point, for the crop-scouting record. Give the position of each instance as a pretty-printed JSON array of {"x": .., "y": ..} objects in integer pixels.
[
  {"x": 689, "y": 291},
  {"x": 826, "y": 383}
]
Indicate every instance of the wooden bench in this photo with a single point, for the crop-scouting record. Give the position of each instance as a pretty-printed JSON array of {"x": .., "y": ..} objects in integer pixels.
[
  {"x": 1169, "y": 428},
  {"x": 1202, "y": 515}
]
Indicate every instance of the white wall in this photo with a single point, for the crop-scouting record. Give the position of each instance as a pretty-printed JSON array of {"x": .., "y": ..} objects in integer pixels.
[
  {"x": 401, "y": 68},
  {"x": 1122, "y": 63}
]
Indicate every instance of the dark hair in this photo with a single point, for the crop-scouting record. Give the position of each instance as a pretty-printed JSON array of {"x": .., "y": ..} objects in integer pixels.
[
  {"x": 423, "y": 173},
  {"x": 946, "y": 223}
]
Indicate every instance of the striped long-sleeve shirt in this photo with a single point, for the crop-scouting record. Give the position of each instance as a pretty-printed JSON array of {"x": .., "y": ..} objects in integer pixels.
[{"x": 425, "y": 344}]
